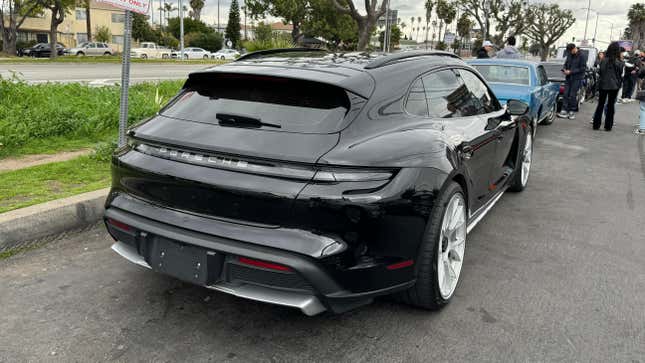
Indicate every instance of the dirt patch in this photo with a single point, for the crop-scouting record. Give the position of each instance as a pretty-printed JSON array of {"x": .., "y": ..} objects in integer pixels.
[{"x": 27, "y": 161}]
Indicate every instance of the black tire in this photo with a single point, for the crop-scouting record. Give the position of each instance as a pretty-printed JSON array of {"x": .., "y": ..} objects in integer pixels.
[
  {"x": 144, "y": 56},
  {"x": 106, "y": 54},
  {"x": 425, "y": 293},
  {"x": 549, "y": 120},
  {"x": 206, "y": 57},
  {"x": 517, "y": 184},
  {"x": 80, "y": 54}
]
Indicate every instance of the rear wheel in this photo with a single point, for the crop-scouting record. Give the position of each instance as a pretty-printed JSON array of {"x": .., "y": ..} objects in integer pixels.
[
  {"x": 441, "y": 255},
  {"x": 222, "y": 58},
  {"x": 521, "y": 178},
  {"x": 107, "y": 54},
  {"x": 205, "y": 57},
  {"x": 144, "y": 56},
  {"x": 552, "y": 114},
  {"x": 80, "y": 54}
]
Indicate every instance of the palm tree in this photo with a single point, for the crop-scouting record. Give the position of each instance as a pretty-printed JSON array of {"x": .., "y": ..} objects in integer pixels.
[
  {"x": 412, "y": 25},
  {"x": 636, "y": 17},
  {"x": 168, "y": 9},
  {"x": 197, "y": 6},
  {"x": 429, "y": 5},
  {"x": 417, "y": 38}
]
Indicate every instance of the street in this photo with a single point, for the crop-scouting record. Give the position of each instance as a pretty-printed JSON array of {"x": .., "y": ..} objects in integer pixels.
[
  {"x": 107, "y": 73},
  {"x": 555, "y": 273}
]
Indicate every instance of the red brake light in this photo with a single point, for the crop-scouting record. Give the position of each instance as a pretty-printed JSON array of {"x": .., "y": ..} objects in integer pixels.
[
  {"x": 119, "y": 225},
  {"x": 263, "y": 264},
  {"x": 399, "y": 265},
  {"x": 561, "y": 89}
]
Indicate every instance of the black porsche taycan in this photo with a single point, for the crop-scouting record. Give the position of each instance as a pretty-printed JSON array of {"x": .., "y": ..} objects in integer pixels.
[{"x": 319, "y": 181}]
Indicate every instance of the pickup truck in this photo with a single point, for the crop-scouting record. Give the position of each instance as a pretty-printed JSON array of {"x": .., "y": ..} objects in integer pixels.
[{"x": 150, "y": 50}]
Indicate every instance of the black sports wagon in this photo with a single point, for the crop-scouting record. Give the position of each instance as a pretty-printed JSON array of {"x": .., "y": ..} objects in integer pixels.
[{"x": 318, "y": 180}]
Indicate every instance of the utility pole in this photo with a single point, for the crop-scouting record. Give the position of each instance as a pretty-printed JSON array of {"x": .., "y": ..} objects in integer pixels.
[
  {"x": 181, "y": 29},
  {"x": 587, "y": 21},
  {"x": 160, "y": 15},
  {"x": 218, "y": 25},
  {"x": 387, "y": 22},
  {"x": 595, "y": 32},
  {"x": 245, "y": 36}
]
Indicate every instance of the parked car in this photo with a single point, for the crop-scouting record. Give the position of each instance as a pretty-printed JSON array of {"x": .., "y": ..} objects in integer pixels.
[
  {"x": 193, "y": 53},
  {"x": 555, "y": 76},
  {"x": 91, "y": 49},
  {"x": 150, "y": 50},
  {"x": 523, "y": 80},
  {"x": 320, "y": 186},
  {"x": 41, "y": 50},
  {"x": 226, "y": 54},
  {"x": 589, "y": 88}
]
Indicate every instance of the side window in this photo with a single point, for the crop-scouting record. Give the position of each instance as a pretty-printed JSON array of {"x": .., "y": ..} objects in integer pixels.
[
  {"x": 479, "y": 98},
  {"x": 91, "y": 45},
  {"x": 416, "y": 103},
  {"x": 542, "y": 76},
  {"x": 444, "y": 94}
]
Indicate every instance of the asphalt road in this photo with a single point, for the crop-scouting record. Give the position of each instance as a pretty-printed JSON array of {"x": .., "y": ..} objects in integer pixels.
[
  {"x": 100, "y": 73},
  {"x": 556, "y": 273}
]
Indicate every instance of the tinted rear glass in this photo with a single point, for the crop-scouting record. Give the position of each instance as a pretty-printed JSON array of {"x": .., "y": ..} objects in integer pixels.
[
  {"x": 294, "y": 105},
  {"x": 554, "y": 70},
  {"x": 504, "y": 74}
]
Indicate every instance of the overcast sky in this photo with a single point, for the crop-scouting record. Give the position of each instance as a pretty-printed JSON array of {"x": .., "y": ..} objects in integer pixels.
[{"x": 611, "y": 11}]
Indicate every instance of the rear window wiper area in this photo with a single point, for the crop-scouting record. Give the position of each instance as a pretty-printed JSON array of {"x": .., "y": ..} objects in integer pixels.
[{"x": 229, "y": 120}]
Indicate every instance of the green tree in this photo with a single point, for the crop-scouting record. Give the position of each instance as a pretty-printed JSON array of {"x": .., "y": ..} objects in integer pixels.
[
  {"x": 103, "y": 34},
  {"x": 168, "y": 8},
  {"x": 190, "y": 26},
  {"x": 13, "y": 13},
  {"x": 412, "y": 19},
  {"x": 59, "y": 10},
  {"x": 263, "y": 32},
  {"x": 395, "y": 37},
  {"x": 446, "y": 13},
  {"x": 141, "y": 29},
  {"x": 429, "y": 5},
  {"x": 366, "y": 23},
  {"x": 233, "y": 27},
  {"x": 509, "y": 16},
  {"x": 212, "y": 41},
  {"x": 196, "y": 6},
  {"x": 292, "y": 12},
  {"x": 550, "y": 23},
  {"x": 323, "y": 21},
  {"x": 636, "y": 18}
]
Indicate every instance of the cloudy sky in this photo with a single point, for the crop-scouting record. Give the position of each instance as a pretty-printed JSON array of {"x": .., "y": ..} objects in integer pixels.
[{"x": 610, "y": 11}]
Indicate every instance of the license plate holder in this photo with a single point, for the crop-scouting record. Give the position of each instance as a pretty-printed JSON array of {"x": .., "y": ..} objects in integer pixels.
[{"x": 186, "y": 262}]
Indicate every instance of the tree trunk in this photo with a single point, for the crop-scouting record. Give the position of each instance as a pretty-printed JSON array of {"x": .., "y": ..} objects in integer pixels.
[
  {"x": 53, "y": 39},
  {"x": 88, "y": 21},
  {"x": 296, "y": 35},
  {"x": 363, "y": 37},
  {"x": 544, "y": 52}
]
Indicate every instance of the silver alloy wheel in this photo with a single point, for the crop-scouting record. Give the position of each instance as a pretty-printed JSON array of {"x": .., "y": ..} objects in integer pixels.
[
  {"x": 452, "y": 244},
  {"x": 527, "y": 158}
]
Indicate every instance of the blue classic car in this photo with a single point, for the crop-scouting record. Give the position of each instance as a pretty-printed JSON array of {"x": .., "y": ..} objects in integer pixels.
[{"x": 522, "y": 80}]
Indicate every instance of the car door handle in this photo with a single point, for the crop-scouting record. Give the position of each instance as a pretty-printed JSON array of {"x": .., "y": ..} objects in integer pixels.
[{"x": 467, "y": 150}]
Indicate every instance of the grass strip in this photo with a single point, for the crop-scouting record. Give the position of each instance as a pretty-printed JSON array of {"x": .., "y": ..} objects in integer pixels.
[
  {"x": 105, "y": 59},
  {"x": 42, "y": 183},
  {"x": 53, "y": 117}
]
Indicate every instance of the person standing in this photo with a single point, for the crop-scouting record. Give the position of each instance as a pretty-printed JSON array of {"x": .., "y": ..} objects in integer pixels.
[
  {"x": 509, "y": 51},
  {"x": 482, "y": 53},
  {"x": 629, "y": 80},
  {"x": 574, "y": 70},
  {"x": 611, "y": 70}
]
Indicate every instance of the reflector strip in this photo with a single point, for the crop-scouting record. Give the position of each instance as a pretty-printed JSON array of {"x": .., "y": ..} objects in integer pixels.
[
  {"x": 399, "y": 265},
  {"x": 263, "y": 264},
  {"x": 119, "y": 225}
]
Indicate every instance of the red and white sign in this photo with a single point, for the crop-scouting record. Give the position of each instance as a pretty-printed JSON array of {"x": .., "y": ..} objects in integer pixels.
[{"x": 137, "y": 6}]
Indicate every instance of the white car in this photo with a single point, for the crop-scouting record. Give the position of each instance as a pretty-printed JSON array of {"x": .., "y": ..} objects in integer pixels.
[
  {"x": 225, "y": 54},
  {"x": 90, "y": 49},
  {"x": 193, "y": 53},
  {"x": 150, "y": 50}
]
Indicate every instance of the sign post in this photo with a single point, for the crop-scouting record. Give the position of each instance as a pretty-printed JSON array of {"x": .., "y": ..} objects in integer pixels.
[
  {"x": 125, "y": 77},
  {"x": 141, "y": 7}
]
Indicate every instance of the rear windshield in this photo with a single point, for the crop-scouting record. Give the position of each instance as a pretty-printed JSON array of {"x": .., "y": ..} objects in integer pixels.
[
  {"x": 554, "y": 70},
  {"x": 293, "y": 105},
  {"x": 504, "y": 74}
]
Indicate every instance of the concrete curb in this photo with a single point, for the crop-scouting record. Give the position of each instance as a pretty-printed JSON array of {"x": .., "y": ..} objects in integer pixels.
[{"x": 20, "y": 227}]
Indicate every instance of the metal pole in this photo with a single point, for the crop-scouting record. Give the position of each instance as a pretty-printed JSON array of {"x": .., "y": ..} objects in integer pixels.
[
  {"x": 125, "y": 78},
  {"x": 611, "y": 33},
  {"x": 245, "y": 35},
  {"x": 160, "y": 15},
  {"x": 387, "y": 19},
  {"x": 389, "y": 27},
  {"x": 218, "y": 25},
  {"x": 181, "y": 29},
  {"x": 587, "y": 21},
  {"x": 595, "y": 32}
]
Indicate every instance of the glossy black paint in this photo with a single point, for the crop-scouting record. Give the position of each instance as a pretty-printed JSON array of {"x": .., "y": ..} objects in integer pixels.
[{"x": 352, "y": 230}]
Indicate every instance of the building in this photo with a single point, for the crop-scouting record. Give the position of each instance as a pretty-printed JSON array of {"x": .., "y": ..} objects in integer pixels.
[
  {"x": 73, "y": 30},
  {"x": 282, "y": 28}
]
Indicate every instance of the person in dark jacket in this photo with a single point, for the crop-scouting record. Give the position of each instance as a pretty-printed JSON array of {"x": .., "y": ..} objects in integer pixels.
[
  {"x": 487, "y": 46},
  {"x": 611, "y": 70},
  {"x": 630, "y": 77},
  {"x": 574, "y": 70}
]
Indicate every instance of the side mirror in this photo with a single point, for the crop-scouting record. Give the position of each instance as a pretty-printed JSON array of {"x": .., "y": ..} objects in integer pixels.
[{"x": 517, "y": 108}]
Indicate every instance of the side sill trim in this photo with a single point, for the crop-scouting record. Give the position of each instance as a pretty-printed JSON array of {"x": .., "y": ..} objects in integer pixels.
[{"x": 479, "y": 215}]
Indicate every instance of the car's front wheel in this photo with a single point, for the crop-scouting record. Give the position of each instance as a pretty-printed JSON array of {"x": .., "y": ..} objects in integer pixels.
[
  {"x": 440, "y": 258},
  {"x": 521, "y": 177}
]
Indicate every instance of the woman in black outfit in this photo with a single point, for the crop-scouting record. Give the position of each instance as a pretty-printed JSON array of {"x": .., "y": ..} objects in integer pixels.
[{"x": 611, "y": 71}]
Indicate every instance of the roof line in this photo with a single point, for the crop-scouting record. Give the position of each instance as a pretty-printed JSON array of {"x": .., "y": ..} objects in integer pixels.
[{"x": 380, "y": 62}]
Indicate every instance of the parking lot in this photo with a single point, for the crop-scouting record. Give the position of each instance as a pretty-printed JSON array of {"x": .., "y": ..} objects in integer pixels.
[{"x": 556, "y": 273}]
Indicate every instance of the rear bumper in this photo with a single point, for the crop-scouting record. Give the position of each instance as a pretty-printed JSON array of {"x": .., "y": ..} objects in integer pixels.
[{"x": 324, "y": 294}]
